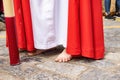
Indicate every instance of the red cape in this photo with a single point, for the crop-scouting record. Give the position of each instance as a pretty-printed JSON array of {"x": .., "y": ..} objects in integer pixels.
[
  {"x": 23, "y": 25},
  {"x": 85, "y": 29}
]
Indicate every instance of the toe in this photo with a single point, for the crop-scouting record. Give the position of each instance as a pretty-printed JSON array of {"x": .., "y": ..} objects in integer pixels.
[
  {"x": 60, "y": 60},
  {"x": 65, "y": 60},
  {"x": 57, "y": 59},
  {"x": 69, "y": 58}
]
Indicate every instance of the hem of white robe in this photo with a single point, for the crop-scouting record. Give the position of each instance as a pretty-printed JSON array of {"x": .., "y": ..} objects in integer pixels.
[{"x": 46, "y": 46}]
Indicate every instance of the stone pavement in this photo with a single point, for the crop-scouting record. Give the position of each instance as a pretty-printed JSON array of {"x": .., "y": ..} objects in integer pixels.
[
  {"x": 2, "y": 26},
  {"x": 43, "y": 67}
]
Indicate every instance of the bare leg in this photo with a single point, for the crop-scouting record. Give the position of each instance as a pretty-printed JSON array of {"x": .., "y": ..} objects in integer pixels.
[{"x": 63, "y": 57}]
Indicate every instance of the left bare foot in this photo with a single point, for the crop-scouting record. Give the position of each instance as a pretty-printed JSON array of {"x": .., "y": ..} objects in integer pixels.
[
  {"x": 34, "y": 53},
  {"x": 63, "y": 57}
]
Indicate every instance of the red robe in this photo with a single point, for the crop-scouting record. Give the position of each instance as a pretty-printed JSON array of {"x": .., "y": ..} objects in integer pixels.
[
  {"x": 85, "y": 29},
  {"x": 23, "y": 25}
]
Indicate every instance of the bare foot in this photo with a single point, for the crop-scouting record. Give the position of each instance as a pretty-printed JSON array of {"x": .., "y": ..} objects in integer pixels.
[
  {"x": 39, "y": 51},
  {"x": 63, "y": 57},
  {"x": 34, "y": 53}
]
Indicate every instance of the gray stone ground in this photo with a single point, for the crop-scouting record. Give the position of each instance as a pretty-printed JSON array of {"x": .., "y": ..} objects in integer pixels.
[
  {"x": 43, "y": 67},
  {"x": 2, "y": 26}
]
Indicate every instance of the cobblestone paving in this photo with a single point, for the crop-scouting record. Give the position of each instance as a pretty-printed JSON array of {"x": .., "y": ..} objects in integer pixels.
[
  {"x": 112, "y": 35},
  {"x": 43, "y": 67}
]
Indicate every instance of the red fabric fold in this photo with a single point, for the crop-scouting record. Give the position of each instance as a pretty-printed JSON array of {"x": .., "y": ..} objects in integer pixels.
[
  {"x": 85, "y": 29},
  {"x": 23, "y": 25}
]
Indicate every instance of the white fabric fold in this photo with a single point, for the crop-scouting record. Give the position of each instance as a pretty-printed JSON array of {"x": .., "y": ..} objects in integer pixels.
[{"x": 49, "y": 19}]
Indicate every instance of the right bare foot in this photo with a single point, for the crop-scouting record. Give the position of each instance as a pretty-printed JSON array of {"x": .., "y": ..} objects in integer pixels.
[{"x": 63, "y": 57}]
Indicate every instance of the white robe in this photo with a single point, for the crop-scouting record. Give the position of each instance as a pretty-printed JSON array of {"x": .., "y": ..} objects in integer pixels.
[{"x": 49, "y": 19}]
